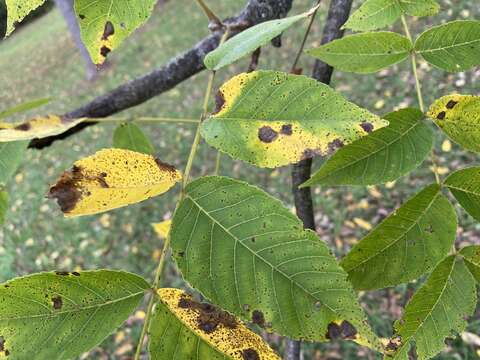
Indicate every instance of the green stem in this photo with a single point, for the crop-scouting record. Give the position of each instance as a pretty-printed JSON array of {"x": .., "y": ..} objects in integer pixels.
[
  {"x": 421, "y": 103},
  {"x": 217, "y": 163},
  {"x": 186, "y": 175}
]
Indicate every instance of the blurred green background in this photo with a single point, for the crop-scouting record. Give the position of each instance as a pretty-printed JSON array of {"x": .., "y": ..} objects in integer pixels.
[{"x": 40, "y": 60}]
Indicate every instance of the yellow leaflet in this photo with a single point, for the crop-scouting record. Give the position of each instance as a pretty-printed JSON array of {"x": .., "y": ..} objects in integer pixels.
[
  {"x": 36, "y": 128},
  {"x": 459, "y": 117},
  {"x": 110, "y": 179},
  {"x": 229, "y": 336},
  {"x": 162, "y": 228}
]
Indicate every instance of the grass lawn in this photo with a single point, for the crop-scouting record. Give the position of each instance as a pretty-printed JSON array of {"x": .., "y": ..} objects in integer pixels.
[{"x": 40, "y": 60}]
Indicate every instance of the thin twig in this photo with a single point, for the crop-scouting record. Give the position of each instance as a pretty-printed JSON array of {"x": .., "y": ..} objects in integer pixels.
[{"x": 142, "y": 119}]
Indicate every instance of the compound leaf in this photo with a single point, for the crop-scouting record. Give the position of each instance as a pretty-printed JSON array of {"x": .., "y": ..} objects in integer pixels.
[
  {"x": 459, "y": 117},
  {"x": 243, "y": 249},
  {"x": 61, "y": 315},
  {"x": 465, "y": 186},
  {"x": 17, "y": 10},
  {"x": 249, "y": 40},
  {"x": 364, "y": 53},
  {"x": 110, "y": 179},
  {"x": 439, "y": 308},
  {"x": 182, "y": 328},
  {"x": 471, "y": 254},
  {"x": 272, "y": 119},
  {"x": 382, "y": 156},
  {"x": 454, "y": 46},
  {"x": 129, "y": 136},
  {"x": 11, "y": 156},
  {"x": 105, "y": 24},
  {"x": 407, "y": 244},
  {"x": 39, "y": 127},
  {"x": 374, "y": 14}
]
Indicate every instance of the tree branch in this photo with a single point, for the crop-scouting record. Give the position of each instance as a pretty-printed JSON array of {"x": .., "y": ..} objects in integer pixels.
[{"x": 170, "y": 75}]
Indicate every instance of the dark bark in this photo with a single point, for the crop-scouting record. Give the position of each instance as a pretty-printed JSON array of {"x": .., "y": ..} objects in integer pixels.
[
  {"x": 337, "y": 16},
  {"x": 173, "y": 73}
]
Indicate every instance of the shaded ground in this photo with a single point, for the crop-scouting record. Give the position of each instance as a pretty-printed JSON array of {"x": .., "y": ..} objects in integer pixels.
[{"x": 40, "y": 60}]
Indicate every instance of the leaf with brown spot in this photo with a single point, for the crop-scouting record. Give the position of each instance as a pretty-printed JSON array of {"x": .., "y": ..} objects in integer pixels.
[
  {"x": 46, "y": 316},
  {"x": 110, "y": 179},
  {"x": 38, "y": 127},
  {"x": 189, "y": 329},
  {"x": 271, "y": 119}
]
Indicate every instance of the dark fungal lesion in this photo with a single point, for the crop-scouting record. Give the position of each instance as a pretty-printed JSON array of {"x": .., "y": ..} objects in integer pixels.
[
  {"x": 441, "y": 115},
  {"x": 66, "y": 191},
  {"x": 367, "y": 127},
  {"x": 266, "y": 134},
  {"x": 57, "y": 302},
  {"x": 108, "y": 31},
  {"x": 23, "y": 127},
  {"x": 258, "y": 318},
  {"x": 451, "y": 104},
  {"x": 344, "y": 330},
  {"x": 250, "y": 354},
  {"x": 219, "y": 102},
  {"x": 164, "y": 166},
  {"x": 209, "y": 316}
]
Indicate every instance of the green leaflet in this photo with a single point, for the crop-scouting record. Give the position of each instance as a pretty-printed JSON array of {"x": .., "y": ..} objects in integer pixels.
[
  {"x": 3, "y": 206},
  {"x": 11, "y": 156},
  {"x": 182, "y": 328},
  {"x": 249, "y": 40},
  {"x": 364, "y": 53},
  {"x": 471, "y": 254},
  {"x": 465, "y": 186},
  {"x": 438, "y": 308},
  {"x": 243, "y": 249},
  {"x": 129, "y": 136},
  {"x": 382, "y": 156},
  {"x": 454, "y": 46},
  {"x": 374, "y": 14},
  {"x": 272, "y": 119},
  {"x": 24, "y": 107},
  {"x": 107, "y": 23},
  {"x": 459, "y": 117},
  {"x": 419, "y": 7},
  {"x": 17, "y": 10},
  {"x": 61, "y": 315},
  {"x": 407, "y": 244}
]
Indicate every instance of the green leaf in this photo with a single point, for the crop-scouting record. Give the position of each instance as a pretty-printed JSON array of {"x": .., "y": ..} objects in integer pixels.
[
  {"x": 17, "y": 10},
  {"x": 182, "y": 328},
  {"x": 374, "y": 14},
  {"x": 3, "y": 206},
  {"x": 62, "y": 315},
  {"x": 454, "y": 46},
  {"x": 419, "y": 7},
  {"x": 105, "y": 24},
  {"x": 243, "y": 249},
  {"x": 29, "y": 105},
  {"x": 272, "y": 119},
  {"x": 459, "y": 117},
  {"x": 471, "y": 254},
  {"x": 407, "y": 244},
  {"x": 465, "y": 186},
  {"x": 130, "y": 137},
  {"x": 438, "y": 309},
  {"x": 11, "y": 156},
  {"x": 364, "y": 53},
  {"x": 250, "y": 40},
  {"x": 382, "y": 156}
]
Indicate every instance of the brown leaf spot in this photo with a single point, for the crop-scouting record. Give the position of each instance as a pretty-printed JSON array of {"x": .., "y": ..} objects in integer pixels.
[
  {"x": 451, "y": 104},
  {"x": 286, "y": 129},
  {"x": 23, "y": 127},
  {"x": 266, "y": 134},
  {"x": 165, "y": 167},
  {"x": 348, "y": 330},
  {"x": 209, "y": 316},
  {"x": 310, "y": 153},
  {"x": 441, "y": 115},
  {"x": 57, "y": 302},
  {"x": 108, "y": 31},
  {"x": 368, "y": 127},
  {"x": 105, "y": 50},
  {"x": 250, "y": 354},
  {"x": 334, "y": 331},
  {"x": 62, "y": 273},
  {"x": 66, "y": 191},
  {"x": 258, "y": 318},
  {"x": 81, "y": 16},
  {"x": 7, "y": 352},
  {"x": 335, "y": 144},
  {"x": 219, "y": 102},
  {"x": 297, "y": 71},
  {"x": 75, "y": 273}
]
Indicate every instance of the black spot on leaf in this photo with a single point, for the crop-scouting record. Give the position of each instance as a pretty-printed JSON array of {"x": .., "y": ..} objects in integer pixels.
[
  {"x": 250, "y": 354},
  {"x": 368, "y": 127},
  {"x": 441, "y": 115},
  {"x": 66, "y": 191},
  {"x": 451, "y": 104},
  {"x": 104, "y": 51},
  {"x": 286, "y": 129},
  {"x": 57, "y": 302},
  {"x": 348, "y": 330},
  {"x": 165, "y": 167},
  {"x": 108, "y": 31},
  {"x": 266, "y": 134},
  {"x": 219, "y": 102},
  {"x": 62, "y": 273},
  {"x": 334, "y": 331},
  {"x": 258, "y": 318},
  {"x": 23, "y": 127}
]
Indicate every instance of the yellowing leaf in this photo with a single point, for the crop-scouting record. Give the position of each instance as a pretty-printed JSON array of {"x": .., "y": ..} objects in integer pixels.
[
  {"x": 447, "y": 146},
  {"x": 162, "y": 228},
  {"x": 110, "y": 179},
  {"x": 459, "y": 117},
  {"x": 17, "y": 10},
  {"x": 39, "y": 127},
  {"x": 201, "y": 331}
]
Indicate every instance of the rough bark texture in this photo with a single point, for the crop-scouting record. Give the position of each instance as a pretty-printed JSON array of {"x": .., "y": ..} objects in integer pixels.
[
  {"x": 337, "y": 16},
  {"x": 170, "y": 75}
]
